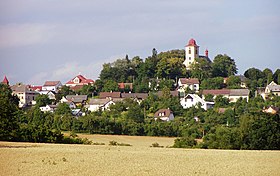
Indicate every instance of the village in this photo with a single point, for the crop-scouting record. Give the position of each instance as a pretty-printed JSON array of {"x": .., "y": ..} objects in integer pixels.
[{"x": 186, "y": 89}]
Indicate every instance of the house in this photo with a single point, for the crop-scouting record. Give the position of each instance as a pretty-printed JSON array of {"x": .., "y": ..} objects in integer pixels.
[
  {"x": 192, "y": 52},
  {"x": 51, "y": 94},
  {"x": 272, "y": 88},
  {"x": 25, "y": 94},
  {"x": 232, "y": 94},
  {"x": 5, "y": 81},
  {"x": 79, "y": 100},
  {"x": 271, "y": 110},
  {"x": 123, "y": 86},
  {"x": 35, "y": 88},
  {"x": 99, "y": 104},
  {"x": 109, "y": 95},
  {"x": 79, "y": 80},
  {"x": 48, "y": 108},
  {"x": 51, "y": 86},
  {"x": 191, "y": 83},
  {"x": 139, "y": 97},
  {"x": 77, "y": 112},
  {"x": 191, "y": 100},
  {"x": 164, "y": 115}
]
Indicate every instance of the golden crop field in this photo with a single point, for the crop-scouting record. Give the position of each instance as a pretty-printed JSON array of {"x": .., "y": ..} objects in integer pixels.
[{"x": 138, "y": 159}]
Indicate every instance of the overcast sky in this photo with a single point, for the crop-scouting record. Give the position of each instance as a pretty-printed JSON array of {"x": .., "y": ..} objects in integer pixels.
[{"x": 44, "y": 40}]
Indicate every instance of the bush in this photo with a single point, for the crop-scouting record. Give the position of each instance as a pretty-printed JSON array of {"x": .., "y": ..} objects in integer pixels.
[
  {"x": 114, "y": 143},
  {"x": 156, "y": 145},
  {"x": 184, "y": 142}
]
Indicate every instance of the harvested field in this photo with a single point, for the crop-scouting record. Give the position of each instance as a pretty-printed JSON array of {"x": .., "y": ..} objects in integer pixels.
[{"x": 138, "y": 159}]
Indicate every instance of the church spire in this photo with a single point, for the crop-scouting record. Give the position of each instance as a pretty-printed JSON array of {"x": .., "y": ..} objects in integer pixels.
[{"x": 5, "y": 81}]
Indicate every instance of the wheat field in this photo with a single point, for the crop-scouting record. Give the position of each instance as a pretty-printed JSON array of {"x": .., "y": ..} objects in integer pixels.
[{"x": 138, "y": 159}]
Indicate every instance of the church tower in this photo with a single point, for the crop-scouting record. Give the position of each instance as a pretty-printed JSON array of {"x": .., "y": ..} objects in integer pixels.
[{"x": 192, "y": 52}]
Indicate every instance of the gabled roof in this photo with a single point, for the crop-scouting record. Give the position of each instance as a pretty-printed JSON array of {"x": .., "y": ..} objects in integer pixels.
[
  {"x": 98, "y": 101},
  {"x": 35, "y": 88},
  {"x": 189, "y": 80},
  {"x": 22, "y": 88},
  {"x": 194, "y": 96},
  {"x": 110, "y": 95},
  {"x": 231, "y": 92},
  {"x": 216, "y": 92},
  {"x": 163, "y": 113},
  {"x": 239, "y": 92},
  {"x": 135, "y": 95},
  {"x": 51, "y": 83},
  {"x": 82, "y": 80},
  {"x": 77, "y": 98},
  {"x": 5, "y": 81},
  {"x": 273, "y": 87},
  {"x": 174, "y": 93}
]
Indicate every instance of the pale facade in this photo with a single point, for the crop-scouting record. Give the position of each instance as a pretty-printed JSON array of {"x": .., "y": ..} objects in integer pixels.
[
  {"x": 26, "y": 96},
  {"x": 192, "y": 52},
  {"x": 193, "y": 100}
]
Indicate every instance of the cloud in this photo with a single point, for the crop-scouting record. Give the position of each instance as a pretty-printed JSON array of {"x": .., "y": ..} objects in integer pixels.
[
  {"x": 15, "y": 35},
  {"x": 67, "y": 71}
]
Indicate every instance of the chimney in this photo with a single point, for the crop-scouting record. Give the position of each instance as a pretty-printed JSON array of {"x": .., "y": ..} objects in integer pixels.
[{"x": 206, "y": 52}]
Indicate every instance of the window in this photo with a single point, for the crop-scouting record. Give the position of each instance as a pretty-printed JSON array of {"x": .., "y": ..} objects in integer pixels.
[
  {"x": 196, "y": 51},
  {"x": 190, "y": 58},
  {"x": 190, "y": 51}
]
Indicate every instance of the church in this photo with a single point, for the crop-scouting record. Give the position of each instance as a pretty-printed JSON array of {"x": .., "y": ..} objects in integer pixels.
[{"x": 192, "y": 52}]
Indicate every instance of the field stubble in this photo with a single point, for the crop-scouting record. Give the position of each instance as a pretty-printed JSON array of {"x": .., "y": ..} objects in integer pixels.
[{"x": 138, "y": 159}]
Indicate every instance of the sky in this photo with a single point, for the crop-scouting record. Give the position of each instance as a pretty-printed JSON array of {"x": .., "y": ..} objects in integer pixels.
[{"x": 44, "y": 40}]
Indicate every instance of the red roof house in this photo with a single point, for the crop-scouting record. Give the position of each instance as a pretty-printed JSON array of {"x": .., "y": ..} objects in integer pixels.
[{"x": 79, "y": 80}]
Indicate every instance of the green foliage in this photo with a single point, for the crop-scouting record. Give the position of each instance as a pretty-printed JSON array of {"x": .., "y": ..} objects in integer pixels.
[
  {"x": 110, "y": 85},
  {"x": 8, "y": 113},
  {"x": 212, "y": 83},
  {"x": 63, "y": 109},
  {"x": 63, "y": 92},
  {"x": 156, "y": 145},
  {"x": 42, "y": 100},
  {"x": 221, "y": 101},
  {"x": 223, "y": 66},
  {"x": 184, "y": 142},
  {"x": 233, "y": 82},
  {"x": 201, "y": 69}
]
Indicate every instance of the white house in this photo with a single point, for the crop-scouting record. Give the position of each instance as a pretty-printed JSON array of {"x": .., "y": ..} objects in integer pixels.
[
  {"x": 272, "y": 88},
  {"x": 99, "y": 104},
  {"x": 79, "y": 80},
  {"x": 52, "y": 86},
  {"x": 194, "y": 100},
  {"x": 48, "y": 108},
  {"x": 191, "y": 83},
  {"x": 232, "y": 94},
  {"x": 164, "y": 115},
  {"x": 51, "y": 94}
]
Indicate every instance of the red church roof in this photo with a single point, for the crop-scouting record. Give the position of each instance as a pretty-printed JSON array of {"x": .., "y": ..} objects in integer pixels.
[
  {"x": 5, "y": 81},
  {"x": 192, "y": 42}
]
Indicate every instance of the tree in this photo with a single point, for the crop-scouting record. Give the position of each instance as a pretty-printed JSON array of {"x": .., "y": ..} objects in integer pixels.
[
  {"x": 276, "y": 76},
  {"x": 8, "y": 113},
  {"x": 201, "y": 69},
  {"x": 233, "y": 82},
  {"x": 42, "y": 100},
  {"x": 223, "y": 66},
  {"x": 62, "y": 109},
  {"x": 63, "y": 91},
  {"x": 212, "y": 83},
  {"x": 221, "y": 101},
  {"x": 110, "y": 85}
]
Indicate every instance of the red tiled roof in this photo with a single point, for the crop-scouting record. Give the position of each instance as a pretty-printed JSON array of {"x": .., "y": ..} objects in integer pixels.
[
  {"x": 216, "y": 92},
  {"x": 5, "y": 80},
  {"x": 51, "y": 83},
  {"x": 192, "y": 42},
  {"x": 34, "y": 88},
  {"x": 82, "y": 79},
  {"x": 189, "y": 80},
  {"x": 123, "y": 85},
  {"x": 110, "y": 95}
]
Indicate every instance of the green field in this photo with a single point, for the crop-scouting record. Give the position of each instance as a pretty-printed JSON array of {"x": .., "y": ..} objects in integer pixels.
[{"x": 138, "y": 159}]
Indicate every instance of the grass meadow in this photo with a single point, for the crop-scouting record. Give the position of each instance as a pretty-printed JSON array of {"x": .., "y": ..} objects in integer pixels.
[{"x": 137, "y": 159}]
